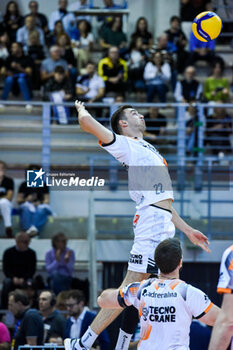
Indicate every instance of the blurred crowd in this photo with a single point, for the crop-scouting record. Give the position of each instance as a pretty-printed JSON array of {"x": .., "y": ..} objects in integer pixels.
[
  {"x": 57, "y": 56},
  {"x": 43, "y": 311}
]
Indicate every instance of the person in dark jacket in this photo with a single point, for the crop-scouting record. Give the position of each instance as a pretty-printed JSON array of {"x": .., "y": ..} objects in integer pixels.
[
  {"x": 80, "y": 319},
  {"x": 29, "y": 328},
  {"x": 19, "y": 265},
  {"x": 54, "y": 322},
  {"x": 59, "y": 89}
]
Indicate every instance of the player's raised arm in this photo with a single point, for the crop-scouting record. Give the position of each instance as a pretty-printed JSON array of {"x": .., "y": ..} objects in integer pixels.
[{"x": 92, "y": 126}]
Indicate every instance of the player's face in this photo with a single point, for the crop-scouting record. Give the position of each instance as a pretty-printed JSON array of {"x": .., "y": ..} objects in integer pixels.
[{"x": 135, "y": 119}]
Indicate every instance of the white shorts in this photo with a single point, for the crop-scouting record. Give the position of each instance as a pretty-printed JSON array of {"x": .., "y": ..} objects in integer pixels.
[{"x": 151, "y": 226}]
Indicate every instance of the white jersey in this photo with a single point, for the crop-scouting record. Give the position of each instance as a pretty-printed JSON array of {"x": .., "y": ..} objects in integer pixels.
[
  {"x": 225, "y": 282},
  {"x": 166, "y": 309},
  {"x": 149, "y": 180}
]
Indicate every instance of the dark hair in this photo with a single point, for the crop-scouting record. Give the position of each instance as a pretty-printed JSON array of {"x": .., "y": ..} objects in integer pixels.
[
  {"x": 175, "y": 18},
  {"x": 88, "y": 25},
  {"x": 18, "y": 44},
  {"x": 7, "y": 14},
  {"x": 137, "y": 31},
  {"x": 220, "y": 62},
  {"x": 20, "y": 295},
  {"x": 114, "y": 20},
  {"x": 117, "y": 116},
  {"x": 56, "y": 238},
  {"x": 59, "y": 70},
  {"x": 77, "y": 295},
  {"x": 168, "y": 255}
]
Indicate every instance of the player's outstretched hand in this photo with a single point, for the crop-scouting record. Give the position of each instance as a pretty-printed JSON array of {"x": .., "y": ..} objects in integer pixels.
[
  {"x": 79, "y": 106},
  {"x": 197, "y": 238}
]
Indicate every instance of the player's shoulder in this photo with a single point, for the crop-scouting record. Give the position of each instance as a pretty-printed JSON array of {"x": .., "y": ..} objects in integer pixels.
[{"x": 227, "y": 257}]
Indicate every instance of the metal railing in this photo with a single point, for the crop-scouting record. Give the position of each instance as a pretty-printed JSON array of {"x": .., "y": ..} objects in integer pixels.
[{"x": 40, "y": 347}]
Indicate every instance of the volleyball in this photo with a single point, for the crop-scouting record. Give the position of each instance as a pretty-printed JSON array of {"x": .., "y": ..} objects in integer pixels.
[{"x": 207, "y": 26}]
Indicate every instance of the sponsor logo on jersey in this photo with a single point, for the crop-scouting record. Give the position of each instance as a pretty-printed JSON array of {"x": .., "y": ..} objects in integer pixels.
[
  {"x": 162, "y": 314},
  {"x": 136, "y": 259},
  {"x": 159, "y": 295}
]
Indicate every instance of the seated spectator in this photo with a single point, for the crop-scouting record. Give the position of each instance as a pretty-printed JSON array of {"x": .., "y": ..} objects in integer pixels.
[
  {"x": 22, "y": 35},
  {"x": 164, "y": 45},
  {"x": 18, "y": 70},
  {"x": 113, "y": 70},
  {"x": 67, "y": 55},
  {"x": 80, "y": 5},
  {"x": 61, "y": 302},
  {"x": 35, "y": 49},
  {"x": 177, "y": 38},
  {"x": 136, "y": 64},
  {"x": 19, "y": 265},
  {"x": 90, "y": 87},
  {"x": 59, "y": 89},
  {"x": 4, "y": 46},
  {"x": 49, "y": 64},
  {"x": 217, "y": 87},
  {"x": 155, "y": 123},
  {"x": 113, "y": 35},
  {"x": 80, "y": 319},
  {"x": 188, "y": 89},
  {"x": 218, "y": 131},
  {"x": 34, "y": 206},
  {"x": 86, "y": 39},
  {"x": 40, "y": 18},
  {"x": 109, "y": 5},
  {"x": 200, "y": 51},
  {"x": 54, "y": 322},
  {"x": 5, "y": 339},
  {"x": 68, "y": 18},
  {"x": 52, "y": 37},
  {"x": 82, "y": 42},
  {"x": 59, "y": 263},
  {"x": 156, "y": 75},
  {"x": 30, "y": 288},
  {"x": 191, "y": 124},
  {"x": 142, "y": 32},
  {"x": 12, "y": 20},
  {"x": 29, "y": 328},
  {"x": 36, "y": 52},
  {"x": 6, "y": 195}
]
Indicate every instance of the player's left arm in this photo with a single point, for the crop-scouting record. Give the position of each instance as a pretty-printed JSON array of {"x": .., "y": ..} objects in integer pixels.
[
  {"x": 195, "y": 236},
  {"x": 223, "y": 328},
  {"x": 108, "y": 299}
]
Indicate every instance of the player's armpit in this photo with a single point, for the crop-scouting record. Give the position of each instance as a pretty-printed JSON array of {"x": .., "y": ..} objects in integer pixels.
[
  {"x": 210, "y": 315},
  {"x": 108, "y": 299}
]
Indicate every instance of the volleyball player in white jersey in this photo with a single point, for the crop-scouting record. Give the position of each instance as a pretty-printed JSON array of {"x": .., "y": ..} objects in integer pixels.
[
  {"x": 166, "y": 304},
  {"x": 155, "y": 219},
  {"x": 223, "y": 328}
]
